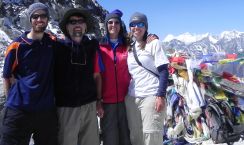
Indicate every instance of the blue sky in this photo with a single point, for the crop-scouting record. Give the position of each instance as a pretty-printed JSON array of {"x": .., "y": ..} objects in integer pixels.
[{"x": 180, "y": 16}]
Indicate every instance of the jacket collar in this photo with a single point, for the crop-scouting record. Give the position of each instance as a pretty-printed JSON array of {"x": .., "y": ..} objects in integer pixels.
[
  {"x": 106, "y": 41},
  {"x": 68, "y": 41},
  {"x": 31, "y": 41}
]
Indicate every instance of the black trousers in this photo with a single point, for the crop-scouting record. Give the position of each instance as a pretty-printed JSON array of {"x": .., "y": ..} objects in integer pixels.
[
  {"x": 114, "y": 125},
  {"x": 1, "y": 120},
  {"x": 18, "y": 126}
]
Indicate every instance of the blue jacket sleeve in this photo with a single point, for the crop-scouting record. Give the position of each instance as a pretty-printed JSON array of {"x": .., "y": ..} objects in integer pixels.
[
  {"x": 8, "y": 64},
  {"x": 163, "y": 80}
]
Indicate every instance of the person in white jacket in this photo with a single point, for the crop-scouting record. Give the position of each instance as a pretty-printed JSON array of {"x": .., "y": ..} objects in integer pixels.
[{"x": 146, "y": 103}]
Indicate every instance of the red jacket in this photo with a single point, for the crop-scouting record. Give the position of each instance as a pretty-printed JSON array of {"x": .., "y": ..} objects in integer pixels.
[{"x": 113, "y": 69}]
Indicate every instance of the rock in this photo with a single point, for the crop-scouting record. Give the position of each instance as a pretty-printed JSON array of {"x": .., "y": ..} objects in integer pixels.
[{"x": 15, "y": 18}]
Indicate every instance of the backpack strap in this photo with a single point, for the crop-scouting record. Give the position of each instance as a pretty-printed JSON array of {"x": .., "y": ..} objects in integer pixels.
[{"x": 140, "y": 64}]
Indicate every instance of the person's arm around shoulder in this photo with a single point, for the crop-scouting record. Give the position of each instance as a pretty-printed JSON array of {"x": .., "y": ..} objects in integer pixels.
[{"x": 151, "y": 37}]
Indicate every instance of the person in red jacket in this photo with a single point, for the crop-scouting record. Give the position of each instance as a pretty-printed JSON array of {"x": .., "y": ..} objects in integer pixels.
[{"x": 115, "y": 82}]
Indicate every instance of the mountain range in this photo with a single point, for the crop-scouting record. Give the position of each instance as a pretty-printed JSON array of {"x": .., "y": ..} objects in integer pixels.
[
  {"x": 228, "y": 42},
  {"x": 14, "y": 21}
]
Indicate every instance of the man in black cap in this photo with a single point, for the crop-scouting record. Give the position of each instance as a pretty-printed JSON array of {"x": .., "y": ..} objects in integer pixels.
[
  {"x": 77, "y": 84},
  {"x": 27, "y": 74}
]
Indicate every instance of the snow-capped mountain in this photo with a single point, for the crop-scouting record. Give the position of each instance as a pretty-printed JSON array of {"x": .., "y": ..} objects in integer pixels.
[
  {"x": 188, "y": 38},
  {"x": 228, "y": 42},
  {"x": 228, "y": 35}
]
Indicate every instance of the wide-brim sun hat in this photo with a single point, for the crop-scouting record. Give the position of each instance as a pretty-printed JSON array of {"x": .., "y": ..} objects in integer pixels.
[{"x": 73, "y": 12}]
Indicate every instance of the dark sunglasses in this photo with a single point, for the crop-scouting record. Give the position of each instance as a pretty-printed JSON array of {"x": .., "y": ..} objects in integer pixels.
[
  {"x": 36, "y": 16},
  {"x": 113, "y": 22},
  {"x": 139, "y": 25},
  {"x": 74, "y": 22}
]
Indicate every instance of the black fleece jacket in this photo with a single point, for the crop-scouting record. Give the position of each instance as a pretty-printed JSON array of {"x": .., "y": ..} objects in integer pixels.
[{"x": 73, "y": 74}]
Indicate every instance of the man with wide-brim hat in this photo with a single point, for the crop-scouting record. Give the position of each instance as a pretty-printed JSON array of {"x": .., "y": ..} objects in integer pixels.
[
  {"x": 77, "y": 84},
  {"x": 80, "y": 12}
]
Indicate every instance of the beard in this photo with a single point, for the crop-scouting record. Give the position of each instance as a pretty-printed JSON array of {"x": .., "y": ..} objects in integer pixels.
[
  {"x": 77, "y": 34},
  {"x": 39, "y": 29}
]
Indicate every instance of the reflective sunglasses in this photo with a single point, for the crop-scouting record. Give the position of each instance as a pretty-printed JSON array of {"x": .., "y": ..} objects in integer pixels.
[
  {"x": 36, "y": 16},
  {"x": 74, "y": 22},
  {"x": 113, "y": 22},
  {"x": 139, "y": 24}
]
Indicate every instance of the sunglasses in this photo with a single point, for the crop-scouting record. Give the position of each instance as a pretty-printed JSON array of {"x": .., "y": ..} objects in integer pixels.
[
  {"x": 139, "y": 24},
  {"x": 74, "y": 22},
  {"x": 113, "y": 22},
  {"x": 36, "y": 16}
]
